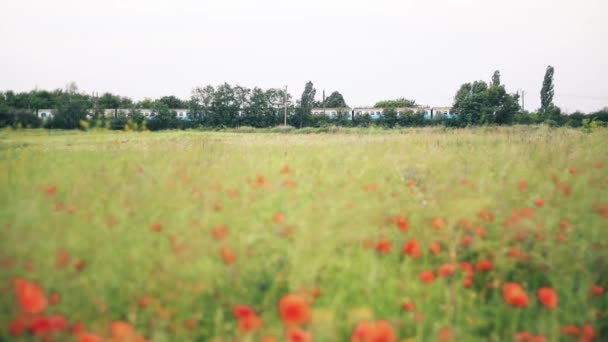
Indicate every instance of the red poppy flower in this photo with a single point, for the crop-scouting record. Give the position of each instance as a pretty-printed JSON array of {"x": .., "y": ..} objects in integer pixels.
[
  {"x": 294, "y": 309},
  {"x": 379, "y": 331},
  {"x": 156, "y": 227},
  {"x": 588, "y": 333},
  {"x": 597, "y": 290},
  {"x": 514, "y": 294},
  {"x": 427, "y": 277},
  {"x": 522, "y": 186},
  {"x": 242, "y": 311},
  {"x": 384, "y": 246},
  {"x": 571, "y": 329},
  {"x": 31, "y": 296},
  {"x": 412, "y": 248},
  {"x": 401, "y": 222},
  {"x": 548, "y": 297},
  {"x": 438, "y": 223},
  {"x": 539, "y": 202},
  {"x": 228, "y": 255},
  {"x": 286, "y": 169},
  {"x": 16, "y": 327},
  {"x": 446, "y": 270},
  {"x": 220, "y": 232},
  {"x": 484, "y": 265},
  {"x": 278, "y": 217},
  {"x": 445, "y": 334},
  {"x": 435, "y": 248},
  {"x": 409, "y": 306},
  {"x": 295, "y": 334},
  {"x": 86, "y": 337},
  {"x": 122, "y": 331},
  {"x": 250, "y": 323}
]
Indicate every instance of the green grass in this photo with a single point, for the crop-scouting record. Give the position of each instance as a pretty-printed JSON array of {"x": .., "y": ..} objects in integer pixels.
[{"x": 186, "y": 176}]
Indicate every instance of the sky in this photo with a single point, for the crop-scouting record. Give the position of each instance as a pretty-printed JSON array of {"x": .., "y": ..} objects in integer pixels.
[{"x": 367, "y": 50}]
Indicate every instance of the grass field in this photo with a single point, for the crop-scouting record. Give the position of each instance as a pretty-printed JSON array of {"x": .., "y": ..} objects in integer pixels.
[{"x": 413, "y": 235}]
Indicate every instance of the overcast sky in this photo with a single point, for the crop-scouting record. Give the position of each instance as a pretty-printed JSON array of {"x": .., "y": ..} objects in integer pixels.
[{"x": 367, "y": 50}]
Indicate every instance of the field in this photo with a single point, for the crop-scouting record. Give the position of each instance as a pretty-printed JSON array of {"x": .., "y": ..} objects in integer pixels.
[{"x": 486, "y": 234}]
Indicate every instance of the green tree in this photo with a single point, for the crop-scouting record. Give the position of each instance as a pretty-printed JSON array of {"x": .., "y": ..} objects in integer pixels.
[
  {"x": 547, "y": 91},
  {"x": 496, "y": 79},
  {"x": 477, "y": 103},
  {"x": 109, "y": 101},
  {"x": 71, "y": 111},
  {"x": 397, "y": 103},
  {"x": 335, "y": 100},
  {"x": 306, "y": 103},
  {"x": 172, "y": 102},
  {"x": 164, "y": 117}
]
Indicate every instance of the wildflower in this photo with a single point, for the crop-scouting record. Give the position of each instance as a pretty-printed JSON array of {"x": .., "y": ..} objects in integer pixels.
[
  {"x": 294, "y": 309},
  {"x": 409, "y": 306},
  {"x": 278, "y": 217},
  {"x": 228, "y": 255},
  {"x": 539, "y": 202},
  {"x": 30, "y": 295},
  {"x": 401, "y": 222},
  {"x": 384, "y": 246},
  {"x": 514, "y": 294},
  {"x": 286, "y": 169},
  {"x": 250, "y": 323},
  {"x": 522, "y": 186},
  {"x": 156, "y": 227},
  {"x": 379, "y": 331},
  {"x": 54, "y": 298},
  {"x": 412, "y": 248},
  {"x": 438, "y": 223},
  {"x": 427, "y": 277},
  {"x": 16, "y": 327},
  {"x": 597, "y": 290},
  {"x": 445, "y": 334},
  {"x": 62, "y": 258},
  {"x": 588, "y": 333},
  {"x": 242, "y": 311},
  {"x": 86, "y": 337},
  {"x": 435, "y": 248},
  {"x": 571, "y": 329},
  {"x": 484, "y": 265},
  {"x": 121, "y": 330},
  {"x": 295, "y": 334},
  {"x": 446, "y": 270},
  {"x": 50, "y": 190},
  {"x": 220, "y": 232},
  {"x": 548, "y": 297}
]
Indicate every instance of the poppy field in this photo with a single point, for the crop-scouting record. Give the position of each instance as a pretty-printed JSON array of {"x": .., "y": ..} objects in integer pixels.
[{"x": 485, "y": 234}]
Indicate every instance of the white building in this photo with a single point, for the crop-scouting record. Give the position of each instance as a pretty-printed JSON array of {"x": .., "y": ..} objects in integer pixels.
[
  {"x": 46, "y": 113},
  {"x": 331, "y": 111}
]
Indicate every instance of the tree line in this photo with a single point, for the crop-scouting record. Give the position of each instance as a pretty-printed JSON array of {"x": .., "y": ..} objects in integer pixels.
[{"x": 224, "y": 106}]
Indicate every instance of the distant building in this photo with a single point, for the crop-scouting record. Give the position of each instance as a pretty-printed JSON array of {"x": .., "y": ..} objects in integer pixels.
[
  {"x": 442, "y": 112},
  {"x": 331, "y": 111},
  {"x": 46, "y": 113}
]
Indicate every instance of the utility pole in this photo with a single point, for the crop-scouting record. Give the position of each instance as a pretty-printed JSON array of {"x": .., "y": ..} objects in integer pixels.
[{"x": 285, "y": 107}]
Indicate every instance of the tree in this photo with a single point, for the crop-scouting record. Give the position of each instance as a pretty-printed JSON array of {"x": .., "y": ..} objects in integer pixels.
[
  {"x": 109, "y": 101},
  {"x": 478, "y": 103},
  {"x": 307, "y": 102},
  {"x": 335, "y": 100},
  {"x": 496, "y": 79},
  {"x": 172, "y": 102},
  {"x": 389, "y": 117},
  {"x": 397, "y": 103},
  {"x": 70, "y": 112},
  {"x": 164, "y": 117},
  {"x": 547, "y": 91}
]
